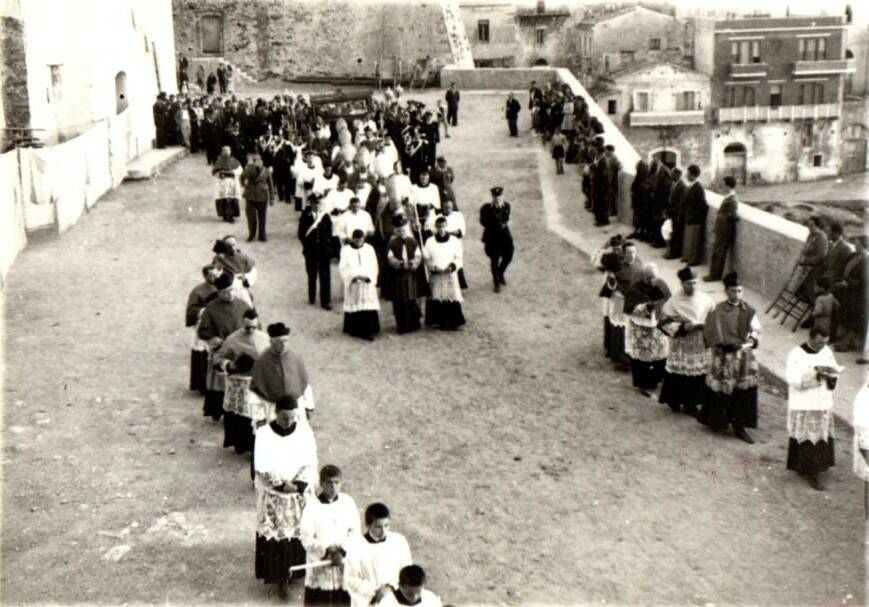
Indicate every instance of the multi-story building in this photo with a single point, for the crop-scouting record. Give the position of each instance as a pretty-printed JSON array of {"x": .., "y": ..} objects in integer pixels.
[
  {"x": 662, "y": 109},
  {"x": 777, "y": 88},
  {"x": 608, "y": 40},
  {"x": 515, "y": 34}
]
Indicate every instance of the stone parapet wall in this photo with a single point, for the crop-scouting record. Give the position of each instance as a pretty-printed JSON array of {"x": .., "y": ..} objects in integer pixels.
[{"x": 497, "y": 78}]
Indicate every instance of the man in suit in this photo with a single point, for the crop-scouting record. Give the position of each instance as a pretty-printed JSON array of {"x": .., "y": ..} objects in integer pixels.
[
  {"x": 724, "y": 232},
  {"x": 315, "y": 233},
  {"x": 696, "y": 209},
  {"x": 676, "y": 205},
  {"x": 452, "y": 98}
]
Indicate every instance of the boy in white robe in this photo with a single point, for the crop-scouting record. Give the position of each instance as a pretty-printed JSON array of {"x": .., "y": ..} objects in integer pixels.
[
  {"x": 811, "y": 373},
  {"x": 443, "y": 256},
  {"x": 411, "y": 590},
  {"x": 375, "y": 559},
  {"x": 425, "y": 196},
  {"x": 359, "y": 269},
  {"x": 356, "y": 218},
  {"x": 328, "y": 524}
]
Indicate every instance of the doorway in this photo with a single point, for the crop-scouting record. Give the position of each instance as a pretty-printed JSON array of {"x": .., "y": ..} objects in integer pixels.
[
  {"x": 735, "y": 160},
  {"x": 212, "y": 34},
  {"x": 669, "y": 158},
  {"x": 121, "y": 101}
]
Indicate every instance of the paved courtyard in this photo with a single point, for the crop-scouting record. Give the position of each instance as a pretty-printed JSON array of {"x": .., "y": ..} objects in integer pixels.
[{"x": 521, "y": 467}]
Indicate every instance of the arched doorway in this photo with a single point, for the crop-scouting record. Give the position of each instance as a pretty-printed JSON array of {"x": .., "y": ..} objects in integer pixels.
[
  {"x": 669, "y": 158},
  {"x": 541, "y": 61},
  {"x": 735, "y": 156},
  {"x": 121, "y": 101}
]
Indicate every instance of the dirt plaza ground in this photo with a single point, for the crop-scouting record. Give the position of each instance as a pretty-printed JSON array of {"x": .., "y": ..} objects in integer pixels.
[{"x": 522, "y": 469}]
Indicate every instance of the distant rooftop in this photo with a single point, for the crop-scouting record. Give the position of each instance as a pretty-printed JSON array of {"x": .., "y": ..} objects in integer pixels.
[
  {"x": 595, "y": 16},
  {"x": 778, "y": 22}
]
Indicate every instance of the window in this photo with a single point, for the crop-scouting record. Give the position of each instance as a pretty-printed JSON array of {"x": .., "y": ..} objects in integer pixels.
[
  {"x": 813, "y": 49},
  {"x": 755, "y": 51},
  {"x": 818, "y": 160},
  {"x": 774, "y": 95},
  {"x": 642, "y": 102},
  {"x": 483, "y": 30},
  {"x": 811, "y": 92},
  {"x": 611, "y": 107},
  {"x": 541, "y": 35},
  {"x": 749, "y": 96},
  {"x": 730, "y": 96},
  {"x": 690, "y": 100},
  {"x": 745, "y": 51},
  {"x": 121, "y": 101},
  {"x": 655, "y": 44},
  {"x": 606, "y": 63}
]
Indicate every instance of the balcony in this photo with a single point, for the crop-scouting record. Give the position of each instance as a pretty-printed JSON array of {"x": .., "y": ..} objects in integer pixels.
[
  {"x": 765, "y": 113},
  {"x": 829, "y": 66},
  {"x": 666, "y": 118},
  {"x": 749, "y": 70}
]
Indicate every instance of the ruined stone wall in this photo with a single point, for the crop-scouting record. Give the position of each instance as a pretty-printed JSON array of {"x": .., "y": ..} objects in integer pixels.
[
  {"x": 13, "y": 76},
  {"x": 298, "y": 38}
]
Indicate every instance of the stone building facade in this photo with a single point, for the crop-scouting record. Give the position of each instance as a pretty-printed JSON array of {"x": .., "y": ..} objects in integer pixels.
[
  {"x": 663, "y": 110},
  {"x": 66, "y": 66},
  {"x": 610, "y": 40},
  {"x": 321, "y": 38},
  {"x": 777, "y": 91},
  {"x": 492, "y": 31}
]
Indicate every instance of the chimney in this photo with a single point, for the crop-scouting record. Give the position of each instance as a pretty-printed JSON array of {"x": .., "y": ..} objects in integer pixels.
[{"x": 541, "y": 7}]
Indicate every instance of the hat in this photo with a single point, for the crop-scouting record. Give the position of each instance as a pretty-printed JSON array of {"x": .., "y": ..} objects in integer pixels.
[
  {"x": 224, "y": 281},
  {"x": 220, "y": 247},
  {"x": 243, "y": 364},
  {"x": 732, "y": 280},
  {"x": 687, "y": 273},
  {"x": 278, "y": 329},
  {"x": 399, "y": 221},
  {"x": 497, "y": 191}
]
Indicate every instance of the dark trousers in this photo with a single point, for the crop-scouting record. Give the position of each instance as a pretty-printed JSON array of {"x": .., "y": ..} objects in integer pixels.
[
  {"x": 514, "y": 126},
  {"x": 453, "y": 115},
  {"x": 499, "y": 258},
  {"x": 719, "y": 256},
  {"x": 676, "y": 239},
  {"x": 255, "y": 211},
  {"x": 319, "y": 266}
]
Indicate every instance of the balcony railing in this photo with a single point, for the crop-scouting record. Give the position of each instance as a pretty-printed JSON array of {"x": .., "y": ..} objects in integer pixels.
[
  {"x": 829, "y": 66},
  {"x": 666, "y": 118},
  {"x": 748, "y": 70},
  {"x": 765, "y": 113}
]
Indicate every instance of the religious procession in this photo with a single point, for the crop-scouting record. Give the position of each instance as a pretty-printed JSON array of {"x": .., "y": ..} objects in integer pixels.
[
  {"x": 691, "y": 353},
  {"x": 376, "y": 200}
]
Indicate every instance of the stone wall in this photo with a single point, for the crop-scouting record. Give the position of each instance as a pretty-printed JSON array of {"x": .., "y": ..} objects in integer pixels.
[
  {"x": 496, "y": 78},
  {"x": 776, "y": 151},
  {"x": 503, "y": 31},
  {"x": 690, "y": 143},
  {"x": 339, "y": 38}
]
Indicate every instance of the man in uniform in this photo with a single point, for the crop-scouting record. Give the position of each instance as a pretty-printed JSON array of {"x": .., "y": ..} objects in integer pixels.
[{"x": 497, "y": 239}]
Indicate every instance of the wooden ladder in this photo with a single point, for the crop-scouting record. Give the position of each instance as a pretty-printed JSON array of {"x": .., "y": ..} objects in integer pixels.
[{"x": 790, "y": 302}]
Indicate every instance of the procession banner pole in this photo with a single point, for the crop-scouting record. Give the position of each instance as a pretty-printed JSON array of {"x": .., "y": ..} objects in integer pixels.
[{"x": 314, "y": 565}]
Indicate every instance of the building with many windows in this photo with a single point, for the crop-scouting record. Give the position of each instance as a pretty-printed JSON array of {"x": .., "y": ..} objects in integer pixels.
[{"x": 777, "y": 90}]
